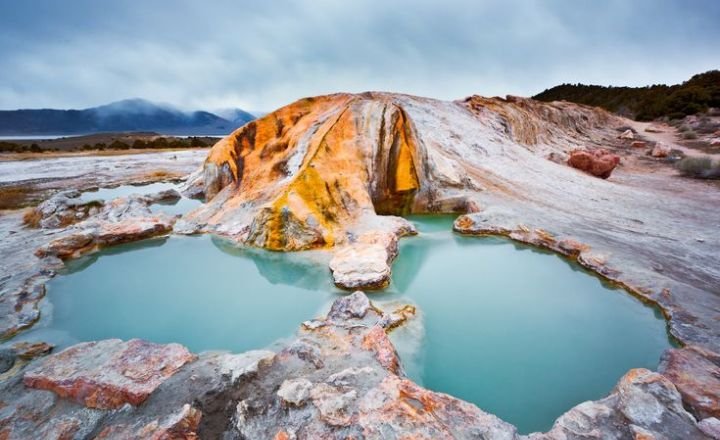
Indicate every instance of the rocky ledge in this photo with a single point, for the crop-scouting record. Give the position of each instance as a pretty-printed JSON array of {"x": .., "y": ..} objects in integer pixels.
[
  {"x": 121, "y": 220},
  {"x": 340, "y": 378}
]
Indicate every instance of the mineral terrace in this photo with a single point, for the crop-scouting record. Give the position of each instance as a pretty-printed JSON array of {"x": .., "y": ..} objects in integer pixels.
[{"x": 337, "y": 173}]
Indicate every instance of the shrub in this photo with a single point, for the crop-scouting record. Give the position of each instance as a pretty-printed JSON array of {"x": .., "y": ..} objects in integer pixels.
[
  {"x": 118, "y": 145},
  {"x": 689, "y": 135},
  {"x": 699, "y": 167},
  {"x": 32, "y": 217}
]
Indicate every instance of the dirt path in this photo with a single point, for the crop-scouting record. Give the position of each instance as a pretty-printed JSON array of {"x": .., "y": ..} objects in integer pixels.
[{"x": 668, "y": 135}]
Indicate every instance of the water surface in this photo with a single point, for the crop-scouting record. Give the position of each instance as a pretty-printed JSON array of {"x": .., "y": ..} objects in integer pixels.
[
  {"x": 523, "y": 334},
  {"x": 199, "y": 291}
]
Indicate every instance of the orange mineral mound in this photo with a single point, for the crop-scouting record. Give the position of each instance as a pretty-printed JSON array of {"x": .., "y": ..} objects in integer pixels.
[{"x": 324, "y": 171}]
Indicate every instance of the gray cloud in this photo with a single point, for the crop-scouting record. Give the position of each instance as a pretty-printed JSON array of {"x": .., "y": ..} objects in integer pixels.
[{"x": 260, "y": 55}]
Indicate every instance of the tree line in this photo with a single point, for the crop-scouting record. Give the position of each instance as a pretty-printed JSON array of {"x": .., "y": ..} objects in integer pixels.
[{"x": 696, "y": 95}]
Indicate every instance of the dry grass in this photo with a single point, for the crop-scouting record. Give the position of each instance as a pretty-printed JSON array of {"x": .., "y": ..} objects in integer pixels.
[
  {"x": 32, "y": 217},
  {"x": 15, "y": 197}
]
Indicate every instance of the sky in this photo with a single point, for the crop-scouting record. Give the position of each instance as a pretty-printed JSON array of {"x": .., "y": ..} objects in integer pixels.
[{"x": 260, "y": 55}]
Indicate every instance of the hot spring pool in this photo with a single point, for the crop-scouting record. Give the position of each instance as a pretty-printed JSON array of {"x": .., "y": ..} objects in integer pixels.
[{"x": 522, "y": 333}]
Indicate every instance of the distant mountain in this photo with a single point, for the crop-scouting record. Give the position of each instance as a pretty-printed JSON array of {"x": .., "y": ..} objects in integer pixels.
[
  {"x": 695, "y": 95},
  {"x": 120, "y": 116},
  {"x": 235, "y": 115}
]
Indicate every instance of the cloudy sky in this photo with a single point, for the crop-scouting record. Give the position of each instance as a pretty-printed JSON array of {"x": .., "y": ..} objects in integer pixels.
[{"x": 259, "y": 55}]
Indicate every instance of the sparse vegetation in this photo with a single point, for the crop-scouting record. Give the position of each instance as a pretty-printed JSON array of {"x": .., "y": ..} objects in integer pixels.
[
  {"x": 18, "y": 196},
  {"x": 699, "y": 94},
  {"x": 689, "y": 134},
  {"x": 32, "y": 217},
  {"x": 120, "y": 142},
  {"x": 699, "y": 167}
]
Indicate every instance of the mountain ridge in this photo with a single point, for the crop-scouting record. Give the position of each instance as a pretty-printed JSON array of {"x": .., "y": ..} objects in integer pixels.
[{"x": 135, "y": 114}]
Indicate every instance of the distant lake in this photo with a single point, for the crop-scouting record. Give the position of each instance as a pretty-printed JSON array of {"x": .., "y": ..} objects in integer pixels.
[
  {"x": 37, "y": 137},
  {"x": 60, "y": 136}
]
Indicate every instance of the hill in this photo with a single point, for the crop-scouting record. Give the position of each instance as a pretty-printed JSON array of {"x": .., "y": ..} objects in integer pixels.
[
  {"x": 696, "y": 95},
  {"x": 120, "y": 116}
]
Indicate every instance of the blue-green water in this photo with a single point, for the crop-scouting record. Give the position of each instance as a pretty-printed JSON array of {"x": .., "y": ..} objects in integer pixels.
[
  {"x": 523, "y": 334},
  {"x": 199, "y": 291},
  {"x": 181, "y": 206}
]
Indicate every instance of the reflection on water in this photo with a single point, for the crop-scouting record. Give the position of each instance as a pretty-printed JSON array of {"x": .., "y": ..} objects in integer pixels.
[{"x": 520, "y": 332}]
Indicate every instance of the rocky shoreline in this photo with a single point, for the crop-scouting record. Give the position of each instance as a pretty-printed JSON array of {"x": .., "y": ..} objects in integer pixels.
[{"x": 312, "y": 175}]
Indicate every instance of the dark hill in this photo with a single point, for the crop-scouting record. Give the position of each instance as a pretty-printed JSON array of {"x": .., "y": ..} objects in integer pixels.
[{"x": 695, "y": 95}]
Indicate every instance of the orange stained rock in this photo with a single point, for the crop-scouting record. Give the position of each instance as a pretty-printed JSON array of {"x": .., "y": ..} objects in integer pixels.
[
  {"x": 405, "y": 174},
  {"x": 282, "y": 435},
  {"x": 315, "y": 173},
  {"x": 377, "y": 341}
]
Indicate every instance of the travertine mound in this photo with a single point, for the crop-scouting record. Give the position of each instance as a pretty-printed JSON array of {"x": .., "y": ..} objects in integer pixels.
[
  {"x": 334, "y": 171},
  {"x": 318, "y": 172}
]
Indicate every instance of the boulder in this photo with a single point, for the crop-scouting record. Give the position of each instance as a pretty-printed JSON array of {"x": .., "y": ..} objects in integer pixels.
[
  {"x": 167, "y": 196},
  {"x": 180, "y": 425},
  {"x": 110, "y": 373},
  {"x": 715, "y": 141},
  {"x": 638, "y": 144},
  {"x": 61, "y": 210},
  {"x": 31, "y": 350},
  {"x": 711, "y": 427},
  {"x": 627, "y": 134},
  {"x": 361, "y": 266},
  {"x": 365, "y": 262},
  {"x": 644, "y": 405},
  {"x": 599, "y": 163},
  {"x": 696, "y": 373},
  {"x": 660, "y": 150},
  {"x": 121, "y": 220}
]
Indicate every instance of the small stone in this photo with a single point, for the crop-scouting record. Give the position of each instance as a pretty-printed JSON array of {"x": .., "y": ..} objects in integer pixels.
[
  {"x": 660, "y": 150},
  {"x": 711, "y": 427},
  {"x": 355, "y": 305},
  {"x": 333, "y": 404},
  {"x": 28, "y": 351},
  {"x": 295, "y": 391},
  {"x": 627, "y": 134}
]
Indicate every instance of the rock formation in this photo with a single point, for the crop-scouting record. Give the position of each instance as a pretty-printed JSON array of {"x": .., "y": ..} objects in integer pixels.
[
  {"x": 600, "y": 163},
  {"x": 110, "y": 373},
  {"x": 336, "y": 172},
  {"x": 340, "y": 378},
  {"x": 331, "y": 171},
  {"x": 121, "y": 220}
]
